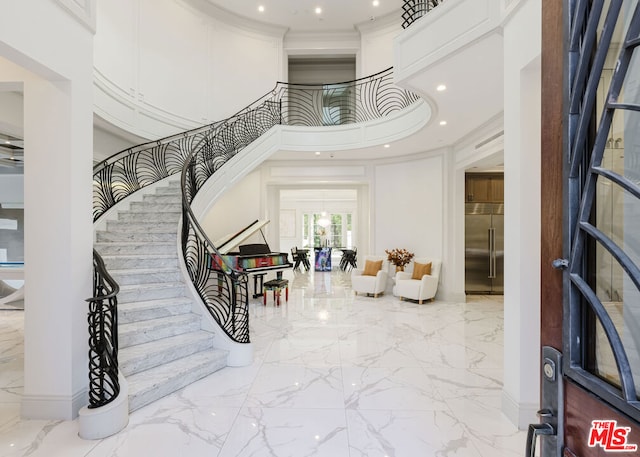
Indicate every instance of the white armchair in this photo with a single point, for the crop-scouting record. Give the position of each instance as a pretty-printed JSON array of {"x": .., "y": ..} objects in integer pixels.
[
  {"x": 421, "y": 289},
  {"x": 369, "y": 281}
]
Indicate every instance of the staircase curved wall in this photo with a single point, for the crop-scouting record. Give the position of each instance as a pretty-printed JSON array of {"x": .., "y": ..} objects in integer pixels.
[{"x": 146, "y": 83}]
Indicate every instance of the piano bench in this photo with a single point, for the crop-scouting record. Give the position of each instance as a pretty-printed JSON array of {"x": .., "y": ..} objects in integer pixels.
[{"x": 276, "y": 285}]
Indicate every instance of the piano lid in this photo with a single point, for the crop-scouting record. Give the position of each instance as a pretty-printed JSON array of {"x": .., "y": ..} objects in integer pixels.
[{"x": 229, "y": 242}]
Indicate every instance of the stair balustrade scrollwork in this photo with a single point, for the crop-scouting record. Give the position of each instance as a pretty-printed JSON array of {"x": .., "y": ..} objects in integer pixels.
[
  {"x": 412, "y": 10},
  {"x": 104, "y": 386},
  {"x": 198, "y": 154}
]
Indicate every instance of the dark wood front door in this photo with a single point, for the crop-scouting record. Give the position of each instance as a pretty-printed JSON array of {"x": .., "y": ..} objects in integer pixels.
[{"x": 590, "y": 280}]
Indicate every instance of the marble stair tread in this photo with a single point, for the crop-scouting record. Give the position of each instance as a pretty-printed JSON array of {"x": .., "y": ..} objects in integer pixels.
[
  {"x": 151, "y": 291},
  {"x": 154, "y": 329},
  {"x": 152, "y": 309},
  {"x": 147, "y": 207},
  {"x": 145, "y": 276},
  {"x": 150, "y": 216},
  {"x": 154, "y": 198},
  {"x": 133, "y": 261},
  {"x": 102, "y": 235},
  {"x": 144, "y": 356},
  {"x": 155, "y": 383},
  {"x": 134, "y": 247},
  {"x": 146, "y": 227}
]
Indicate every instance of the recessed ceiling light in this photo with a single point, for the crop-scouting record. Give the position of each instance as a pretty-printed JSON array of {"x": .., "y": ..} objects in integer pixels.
[
  {"x": 318, "y": 10},
  {"x": 443, "y": 122},
  {"x": 317, "y": 153},
  {"x": 441, "y": 87},
  {"x": 387, "y": 145},
  {"x": 376, "y": 2},
  {"x": 261, "y": 8},
  {"x": 7, "y": 142}
]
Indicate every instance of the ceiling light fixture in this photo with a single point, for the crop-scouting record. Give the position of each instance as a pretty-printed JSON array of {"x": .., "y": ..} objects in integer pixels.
[
  {"x": 317, "y": 153},
  {"x": 387, "y": 146},
  {"x": 261, "y": 8},
  {"x": 376, "y": 2},
  {"x": 441, "y": 88},
  {"x": 443, "y": 122},
  {"x": 318, "y": 10}
]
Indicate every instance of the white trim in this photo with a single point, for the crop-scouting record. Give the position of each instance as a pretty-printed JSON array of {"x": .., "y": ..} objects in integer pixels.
[
  {"x": 83, "y": 11},
  {"x": 65, "y": 407},
  {"x": 99, "y": 423},
  {"x": 520, "y": 414}
]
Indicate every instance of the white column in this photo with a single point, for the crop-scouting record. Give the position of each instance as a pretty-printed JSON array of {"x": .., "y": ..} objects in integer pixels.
[
  {"x": 58, "y": 246},
  {"x": 520, "y": 396},
  {"x": 48, "y": 48}
]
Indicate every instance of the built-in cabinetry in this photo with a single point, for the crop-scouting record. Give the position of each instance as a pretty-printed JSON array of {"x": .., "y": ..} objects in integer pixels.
[{"x": 484, "y": 187}]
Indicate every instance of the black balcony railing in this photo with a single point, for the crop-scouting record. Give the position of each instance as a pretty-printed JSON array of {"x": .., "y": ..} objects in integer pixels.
[
  {"x": 412, "y": 10},
  {"x": 103, "y": 337},
  {"x": 199, "y": 153}
]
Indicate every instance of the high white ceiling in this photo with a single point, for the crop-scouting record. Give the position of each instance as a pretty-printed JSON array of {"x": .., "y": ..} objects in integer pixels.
[
  {"x": 472, "y": 97},
  {"x": 301, "y": 16}
]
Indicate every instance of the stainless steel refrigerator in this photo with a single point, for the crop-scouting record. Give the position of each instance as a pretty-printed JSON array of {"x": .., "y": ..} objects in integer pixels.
[{"x": 484, "y": 248}]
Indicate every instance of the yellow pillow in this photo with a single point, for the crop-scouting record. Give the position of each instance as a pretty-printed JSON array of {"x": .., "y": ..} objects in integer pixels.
[
  {"x": 372, "y": 267},
  {"x": 421, "y": 269}
]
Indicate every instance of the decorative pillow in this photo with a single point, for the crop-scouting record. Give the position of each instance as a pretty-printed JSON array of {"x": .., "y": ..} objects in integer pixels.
[
  {"x": 372, "y": 267},
  {"x": 421, "y": 269}
]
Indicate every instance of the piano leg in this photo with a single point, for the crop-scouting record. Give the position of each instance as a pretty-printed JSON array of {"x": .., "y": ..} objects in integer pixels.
[{"x": 257, "y": 289}]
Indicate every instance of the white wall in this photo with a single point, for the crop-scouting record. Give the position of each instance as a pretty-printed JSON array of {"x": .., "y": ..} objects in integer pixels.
[
  {"x": 236, "y": 208},
  {"x": 105, "y": 144},
  {"x": 12, "y": 191},
  {"x": 408, "y": 211},
  {"x": 522, "y": 39},
  {"x": 162, "y": 66},
  {"x": 377, "y": 45},
  {"x": 55, "y": 67},
  {"x": 11, "y": 109}
]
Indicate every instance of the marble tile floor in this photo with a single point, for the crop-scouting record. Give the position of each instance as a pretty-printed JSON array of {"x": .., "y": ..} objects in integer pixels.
[{"x": 334, "y": 375}]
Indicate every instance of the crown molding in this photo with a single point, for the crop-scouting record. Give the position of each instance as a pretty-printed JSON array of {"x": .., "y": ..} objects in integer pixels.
[{"x": 233, "y": 19}]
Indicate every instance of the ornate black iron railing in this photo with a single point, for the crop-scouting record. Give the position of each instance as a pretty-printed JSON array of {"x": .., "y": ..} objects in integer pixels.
[
  {"x": 103, "y": 336},
  {"x": 199, "y": 153},
  {"x": 412, "y": 10},
  {"x": 597, "y": 30}
]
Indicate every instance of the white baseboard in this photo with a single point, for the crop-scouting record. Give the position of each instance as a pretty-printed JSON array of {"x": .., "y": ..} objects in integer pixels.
[
  {"x": 63, "y": 407},
  {"x": 520, "y": 414}
]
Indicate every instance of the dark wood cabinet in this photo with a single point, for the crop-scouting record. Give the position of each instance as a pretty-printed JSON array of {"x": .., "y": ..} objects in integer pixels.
[{"x": 484, "y": 187}]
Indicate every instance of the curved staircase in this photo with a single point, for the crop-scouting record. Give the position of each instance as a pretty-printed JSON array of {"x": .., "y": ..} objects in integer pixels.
[{"x": 162, "y": 344}]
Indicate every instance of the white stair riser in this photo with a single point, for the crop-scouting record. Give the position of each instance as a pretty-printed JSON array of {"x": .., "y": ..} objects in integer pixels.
[
  {"x": 131, "y": 336},
  {"x": 135, "y": 315},
  {"x": 154, "y": 359}
]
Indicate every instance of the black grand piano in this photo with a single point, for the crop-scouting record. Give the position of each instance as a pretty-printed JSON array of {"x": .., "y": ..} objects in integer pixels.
[{"x": 255, "y": 259}]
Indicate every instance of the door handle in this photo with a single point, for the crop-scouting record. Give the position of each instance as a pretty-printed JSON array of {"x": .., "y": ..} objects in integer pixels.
[
  {"x": 536, "y": 430},
  {"x": 492, "y": 249}
]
